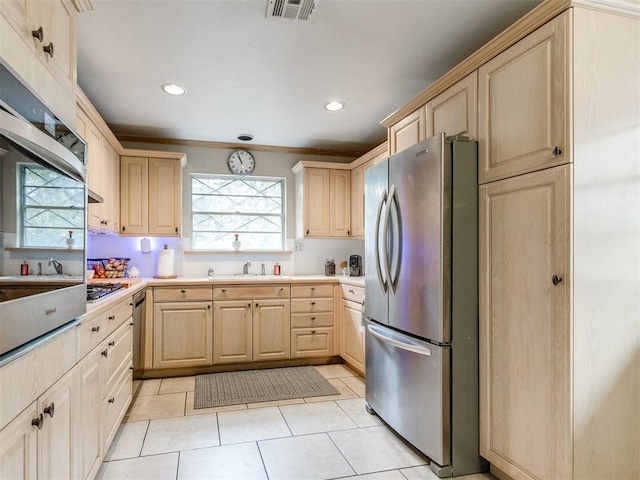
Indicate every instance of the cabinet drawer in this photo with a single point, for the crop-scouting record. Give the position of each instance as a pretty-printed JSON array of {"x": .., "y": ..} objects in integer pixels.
[
  {"x": 252, "y": 292},
  {"x": 89, "y": 334},
  {"x": 178, "y": 294},
  {"x": 311, "y": 342},
  {"x": 353, "y": 293},
  {"x": 311, "y": 305},
  {"x": 309, "y": 320},
  {"x": 117, "y": 315},
  {"x": 302, "y": 291},
  {"x": 118, "y": 354},
  {"x": 115, "y": 405}
]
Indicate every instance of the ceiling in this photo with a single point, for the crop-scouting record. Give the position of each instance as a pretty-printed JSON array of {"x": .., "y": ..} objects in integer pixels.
[{"x": 270, "y": 78}]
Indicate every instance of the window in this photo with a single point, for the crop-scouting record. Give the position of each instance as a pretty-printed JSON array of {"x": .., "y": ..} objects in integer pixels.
[
  {"x": 224, "y": 205},
  {"x": 52, "y": 206}
]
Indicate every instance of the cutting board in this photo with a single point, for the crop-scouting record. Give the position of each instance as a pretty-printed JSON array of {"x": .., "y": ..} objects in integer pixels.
[{"x": 126, "y": 282}]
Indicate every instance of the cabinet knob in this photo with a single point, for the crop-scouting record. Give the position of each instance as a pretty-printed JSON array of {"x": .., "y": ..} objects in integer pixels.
[
  {"x": 556, "y": 280},
  {"x": 104, "y": 353},
  {"x": 49, "y": 49},
  {"x": 112, "y": 343},
  {"x": 176, "y": 229},
  {"x": 37, "y": 422},
  {"x": 111, "y": 317},
  {"x": 112, "y": 399},
  {"x": 313, "y": 288},
  {"x": 313, "y": 332},
  {"x": 95, "y": 329},
  {"x": 257, "y": 305},
  {"x": 556, "y": 152},
  {"x": 351, "y": 291},
  {"x": 51, "y": 409},
  {"x": 313, "y": 318},
  {"x": 248, "y": 305},
  {"x": 307, "y": 232},
  {"x": 124, "y": 228},
  {"x": 183, "y": 291},
  {"x": 313, "y": 303},
  {"x": 224, "y": 290},
  {"x": 208, "y": 307},
  {"x": 131, "y": 323},
  {"x": 39, "y": 34}
]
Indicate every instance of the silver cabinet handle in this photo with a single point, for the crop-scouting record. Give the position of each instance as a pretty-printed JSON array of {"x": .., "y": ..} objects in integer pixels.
[
  {"x": 556, "y": 152},
  {"x": 396, "y": 343}
]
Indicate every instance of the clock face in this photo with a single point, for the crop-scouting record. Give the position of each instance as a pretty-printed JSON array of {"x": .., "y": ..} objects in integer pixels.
[{"x": 241, "y": 162}]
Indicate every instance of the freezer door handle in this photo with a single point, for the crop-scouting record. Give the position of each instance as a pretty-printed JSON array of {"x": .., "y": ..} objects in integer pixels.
[
  {"x": 381, "y": 281},
  {"x": 396, "y": 343},
  {"x": 393, "y": 262}
]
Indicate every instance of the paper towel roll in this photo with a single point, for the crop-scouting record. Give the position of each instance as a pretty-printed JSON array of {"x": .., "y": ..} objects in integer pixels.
[{"x": 165, "y": 263}]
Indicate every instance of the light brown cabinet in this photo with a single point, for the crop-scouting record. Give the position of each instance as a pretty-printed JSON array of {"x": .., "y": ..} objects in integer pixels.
[
  {"x": 408, "y": 131},
  {"x": 312, "y": 320},
  {"x": 89, "y": 434},
  {"x": 523, "y": 105},
  {"x": 151, "y": 201},
  {"x": 525, "y": 328},
  {"x": 369, "y": 159},
  {"x": 103, "y": 176},
  {"x": 251, "y": 323},
  {"x": 559, "y": 398},
  {"x": 351, "y": 331},
  {"x": 455, "y": 111},
  {"x": 38, "y": 41},
  {"x": 182, "y": 334},
  {"x": 19, "y": 446},
  {"x": 323, "y": 201}
]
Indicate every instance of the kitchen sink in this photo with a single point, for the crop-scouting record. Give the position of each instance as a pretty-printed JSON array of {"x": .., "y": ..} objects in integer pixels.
[{"x": 249, "y": 276}]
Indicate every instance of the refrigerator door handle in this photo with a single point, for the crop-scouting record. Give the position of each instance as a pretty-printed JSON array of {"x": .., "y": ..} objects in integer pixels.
[
  {"x": 392, "y": 203},
  {"x": 396, "y": 343},
  {"x": 381, "y": 281}
]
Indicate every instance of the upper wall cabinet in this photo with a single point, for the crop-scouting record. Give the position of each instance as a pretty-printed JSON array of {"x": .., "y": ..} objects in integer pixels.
[
  {"x": 151, "y": 194},
  {"x": 323, "y": 200},
  {"x": 357, "y": 186},
  {"x": 408, "y": 131},
  {"x": 37, "y": 40},
  {"x": 455, "y": 111},
  {"x": 523, "y": 108}
]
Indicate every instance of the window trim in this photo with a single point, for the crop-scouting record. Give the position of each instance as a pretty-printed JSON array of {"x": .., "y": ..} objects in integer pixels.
[{"x": 282, "y": 215}]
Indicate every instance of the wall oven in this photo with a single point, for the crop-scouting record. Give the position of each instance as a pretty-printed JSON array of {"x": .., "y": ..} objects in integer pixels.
[{"x": 43, "y": 202}]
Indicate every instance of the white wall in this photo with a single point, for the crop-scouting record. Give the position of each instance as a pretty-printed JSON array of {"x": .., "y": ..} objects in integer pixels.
[{"x": 309, "y": 261}]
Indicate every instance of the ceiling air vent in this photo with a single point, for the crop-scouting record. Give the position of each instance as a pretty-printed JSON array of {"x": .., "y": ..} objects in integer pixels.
[{"x": 291, "y": 9}]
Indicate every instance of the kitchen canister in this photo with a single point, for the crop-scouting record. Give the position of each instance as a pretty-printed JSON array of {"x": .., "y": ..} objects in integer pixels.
[{"x": 165, "y": 263}]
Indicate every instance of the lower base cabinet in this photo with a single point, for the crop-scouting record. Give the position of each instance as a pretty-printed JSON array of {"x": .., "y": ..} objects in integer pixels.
[
  {"x": 38, "y": 442},
  {"x": 352, "y": 335},
  {"x": 312, "y": 342},
  {"x": 89, "y": 436},
  {"x": 182, "y": 334}
]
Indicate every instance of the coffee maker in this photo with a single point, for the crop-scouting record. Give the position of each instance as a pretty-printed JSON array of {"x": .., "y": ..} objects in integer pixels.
[{"x": 355, "y": 265}]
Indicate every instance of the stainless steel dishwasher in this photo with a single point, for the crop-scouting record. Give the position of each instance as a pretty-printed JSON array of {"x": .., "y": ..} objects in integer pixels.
[{"x": 138, "y": 324}]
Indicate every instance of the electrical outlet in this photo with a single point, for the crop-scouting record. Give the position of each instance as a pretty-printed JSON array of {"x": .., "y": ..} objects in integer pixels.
[{"x": 297, "y": 246}]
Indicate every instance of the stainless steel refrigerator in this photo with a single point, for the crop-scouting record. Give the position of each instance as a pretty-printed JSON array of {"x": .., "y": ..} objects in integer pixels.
[{"x": 421, "y": 303}]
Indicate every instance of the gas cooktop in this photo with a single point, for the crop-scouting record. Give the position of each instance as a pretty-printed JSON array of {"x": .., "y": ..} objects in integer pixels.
[{"x": 96, "y": 291}]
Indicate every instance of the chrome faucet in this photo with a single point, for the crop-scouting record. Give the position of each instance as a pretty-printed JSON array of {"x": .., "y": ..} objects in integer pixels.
[
  {"x": 245, "y": 268},
  {"x": 57, "y": 265}
]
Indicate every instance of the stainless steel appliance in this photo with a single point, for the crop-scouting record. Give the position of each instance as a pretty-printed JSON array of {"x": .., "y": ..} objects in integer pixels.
[
  {"x": 421, "y": 305},
  {"x": 138, "y": 324},
  {"x": 97, "y": 291},
  {"x": 355, "y": 265},
  {"x": 42, "y": 218}
]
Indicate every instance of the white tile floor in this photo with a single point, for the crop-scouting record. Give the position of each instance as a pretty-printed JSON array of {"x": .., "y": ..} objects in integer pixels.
[{"x": 163, "y": 437}]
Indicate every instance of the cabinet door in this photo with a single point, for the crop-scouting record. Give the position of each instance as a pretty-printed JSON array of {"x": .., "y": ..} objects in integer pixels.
[
  {"x": 19, "y": 446},
  {"x": 111, "y": 187},
  {"x": 408, "y": 131},
  {"x": 317, "y": 210},
  {"x": 88, "y": 431},
  {"x": 352, "y": 335},
  {"x": 455, "y": 111},
  {"x": 525, "y": 325},
  {"x": 232, "y": 331},
  {"x": 55, "y": 447},
  {"x": 182, "y": 334},
  {"x": 311, "y": 342},
  {"x": 340, "y": 203},
  {"x": 165, "y": 204},
  {"x": 271, "y": 329},
  {"x": 524, "y": 105},
  {"x": 357, "y": 201},
  {"x": 95, "y": 175},
  {"x": 134, "y": 195}
]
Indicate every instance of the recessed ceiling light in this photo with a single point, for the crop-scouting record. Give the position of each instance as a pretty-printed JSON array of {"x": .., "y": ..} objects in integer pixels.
[
  {"x": 245, "y": 137},
  {"x": 173, "y": 89},
  {"x": 334, "y": 106}
]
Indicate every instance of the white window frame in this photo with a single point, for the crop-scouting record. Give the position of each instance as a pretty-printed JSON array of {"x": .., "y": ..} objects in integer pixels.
[{"x": 229, "y": 233}]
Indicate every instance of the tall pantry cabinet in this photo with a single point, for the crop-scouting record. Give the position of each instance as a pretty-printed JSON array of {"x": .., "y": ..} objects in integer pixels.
[{"x": 559, "y": 136}]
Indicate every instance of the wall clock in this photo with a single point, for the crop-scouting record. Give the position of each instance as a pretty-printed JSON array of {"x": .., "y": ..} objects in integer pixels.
[{"x": 241, "y": 162}]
